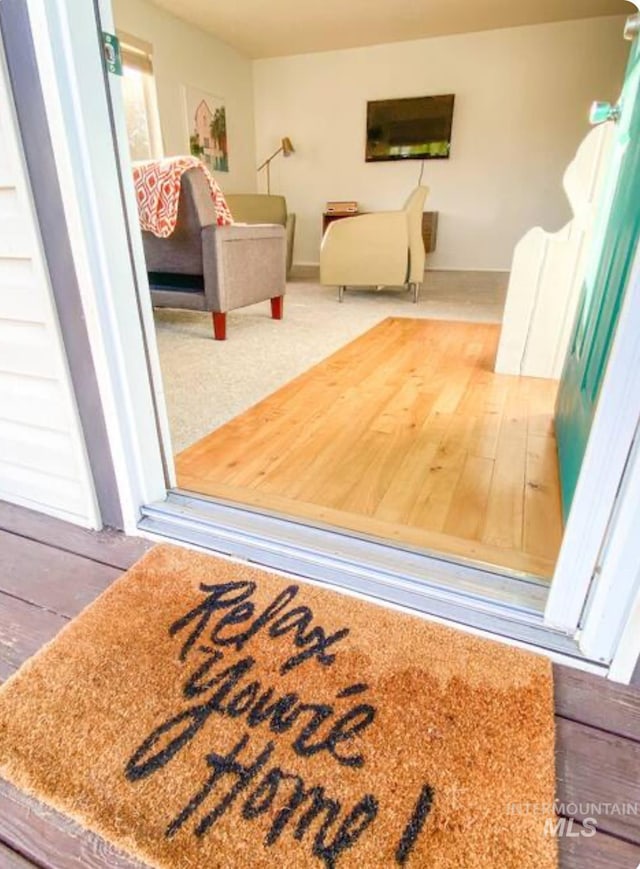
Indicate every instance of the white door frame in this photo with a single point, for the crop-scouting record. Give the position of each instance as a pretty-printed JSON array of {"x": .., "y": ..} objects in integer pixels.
[
  {"x": 97, "y": 195},
  {"x": 612, "y": 629},
  {"x": 608, "y": 449},
  {"x": 119, "y": 318}
]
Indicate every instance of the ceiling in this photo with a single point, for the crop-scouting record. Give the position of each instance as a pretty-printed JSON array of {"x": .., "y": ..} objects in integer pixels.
[{"x": 270, "y": 28}]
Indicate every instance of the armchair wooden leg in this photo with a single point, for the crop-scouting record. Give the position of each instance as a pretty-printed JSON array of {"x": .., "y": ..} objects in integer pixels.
[
  {"x": 277, "y": 306},
  {"x": 416, "y": 292},
  {"x": 340, "y": 293},
  {"x": 219, "y": 326}
]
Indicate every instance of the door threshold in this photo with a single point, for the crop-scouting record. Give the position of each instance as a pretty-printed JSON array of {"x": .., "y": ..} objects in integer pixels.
[{"x": 506, "y": 606}]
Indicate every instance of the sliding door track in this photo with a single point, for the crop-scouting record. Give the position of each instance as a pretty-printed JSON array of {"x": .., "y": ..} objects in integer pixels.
[{"x": 427, "y": 583}]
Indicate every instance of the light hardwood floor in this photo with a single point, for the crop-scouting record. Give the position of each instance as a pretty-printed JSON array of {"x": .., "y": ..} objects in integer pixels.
[{"x": 407, "y": 434}]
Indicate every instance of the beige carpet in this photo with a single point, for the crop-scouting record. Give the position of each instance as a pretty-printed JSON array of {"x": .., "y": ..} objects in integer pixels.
[
  {"x": 210, "y": 715},
  {"x": 208, "y": 382}
]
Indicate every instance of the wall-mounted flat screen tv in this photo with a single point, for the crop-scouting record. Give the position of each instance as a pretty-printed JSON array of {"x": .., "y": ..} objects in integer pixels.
[{"x": 416, "y": 128}]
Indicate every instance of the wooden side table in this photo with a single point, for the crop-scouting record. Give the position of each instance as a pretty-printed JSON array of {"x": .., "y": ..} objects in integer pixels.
[
  {"x": 429, "y": 230},
  {"x": 331, "y": 216}
]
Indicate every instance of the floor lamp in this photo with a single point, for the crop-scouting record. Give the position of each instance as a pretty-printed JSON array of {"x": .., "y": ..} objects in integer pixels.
[{"x": 286, "y": 148}]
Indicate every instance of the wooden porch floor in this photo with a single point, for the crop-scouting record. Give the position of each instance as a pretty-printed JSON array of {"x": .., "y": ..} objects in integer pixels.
[
  {"x": 50, "y": 570},
  {"x": 406, "y": 434}
]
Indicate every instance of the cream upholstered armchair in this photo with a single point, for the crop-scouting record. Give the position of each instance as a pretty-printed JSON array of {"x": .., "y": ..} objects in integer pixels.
[{"x": 380, "y": 249}]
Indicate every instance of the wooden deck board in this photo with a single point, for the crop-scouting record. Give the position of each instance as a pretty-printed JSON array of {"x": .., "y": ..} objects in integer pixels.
[
  {"x": 107, "y": 547},
  {"x": 598, "y": 852},
  {"x": 614, "y": 708},
  {"x": 598, "y": 723},
  {"x": 52, "y": 840},
  {"x": 409, "y": 425},
  {"x": 24, "y": 628},
  {"x": 9, "y": 859},
  {"x": 56, "y": 580},
  {"x": 584, "y": 755}
]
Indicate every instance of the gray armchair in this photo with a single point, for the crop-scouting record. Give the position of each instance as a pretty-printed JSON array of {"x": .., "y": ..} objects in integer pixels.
[
  {"x": 205, "y": 267},
  {"x": 264, "y": 208}
]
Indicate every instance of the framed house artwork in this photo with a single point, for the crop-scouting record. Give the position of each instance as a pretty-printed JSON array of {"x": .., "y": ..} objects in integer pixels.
[{"x": 207, "y": 125}]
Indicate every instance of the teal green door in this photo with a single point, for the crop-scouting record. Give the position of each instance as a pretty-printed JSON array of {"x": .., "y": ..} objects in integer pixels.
[{"x": 614, "y": 243}]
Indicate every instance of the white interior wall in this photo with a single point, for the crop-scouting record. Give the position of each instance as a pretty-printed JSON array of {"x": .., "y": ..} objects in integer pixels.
[
  {"x": 184, "y": 55},
  {"x": 522, "y": 97}
]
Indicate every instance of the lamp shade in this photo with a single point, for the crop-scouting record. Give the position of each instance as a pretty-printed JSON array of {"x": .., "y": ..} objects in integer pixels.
[{"x": 287, "y": 147}]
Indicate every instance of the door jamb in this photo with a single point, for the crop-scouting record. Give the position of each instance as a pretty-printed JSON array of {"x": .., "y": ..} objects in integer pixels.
[
  {"x": 603, "y": 467},
  {"x": 72, "y": 77}
]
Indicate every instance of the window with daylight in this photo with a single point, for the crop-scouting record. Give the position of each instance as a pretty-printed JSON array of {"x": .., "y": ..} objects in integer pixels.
[{"x": 140, "y": 100}]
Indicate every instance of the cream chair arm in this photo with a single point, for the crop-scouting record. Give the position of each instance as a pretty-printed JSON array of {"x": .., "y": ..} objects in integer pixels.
[{"x": 366, "y": 250}]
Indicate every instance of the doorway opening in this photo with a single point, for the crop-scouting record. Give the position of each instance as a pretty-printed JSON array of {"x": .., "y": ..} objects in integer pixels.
[{"x": 388, "y": 421}]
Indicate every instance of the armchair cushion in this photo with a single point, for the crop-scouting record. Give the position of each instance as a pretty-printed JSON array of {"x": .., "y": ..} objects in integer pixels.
[
  {"x": 240, "y": 262},
  {"x": 366, "y": 250},
  {"x": 262, "y": 208},
  {"x": 257, "y": 208}
]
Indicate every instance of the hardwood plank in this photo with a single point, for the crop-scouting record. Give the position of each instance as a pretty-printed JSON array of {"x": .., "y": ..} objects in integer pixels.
[
  {"x": 109, "y": 547},
  {"x": 329, "y": 472},
  {"x": 542, "y": 526},
  {"x": 504, "y": 519},
  {"x": 390, "y": 456},
  {"x": 397, "y": 502},
  {"x": 515, "y": 417},
  {"x": 50, "y": 839},
  {"x": 369, "y": 475},
  {"x": 432, "y": 504},
  {"x": 598, "y": 702},
  {"x": 484, "y": 442},
  {"x": 597, "y": 852},
  {"x": 467, "y": 509},
  {"x": 541, "y": 397},
  {"x": 52, "y": 578},
  {"x": 355, "y": 436},
  {"x": 603, "y": 768},
  {"x": 23, "y": 629}
]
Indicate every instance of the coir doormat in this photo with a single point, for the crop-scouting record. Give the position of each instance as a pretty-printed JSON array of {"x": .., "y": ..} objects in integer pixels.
[{"x": 204, "y": 714}]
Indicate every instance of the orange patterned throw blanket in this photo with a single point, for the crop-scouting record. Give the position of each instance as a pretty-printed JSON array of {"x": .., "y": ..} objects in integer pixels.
[{"x": 157, "y": 184}]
